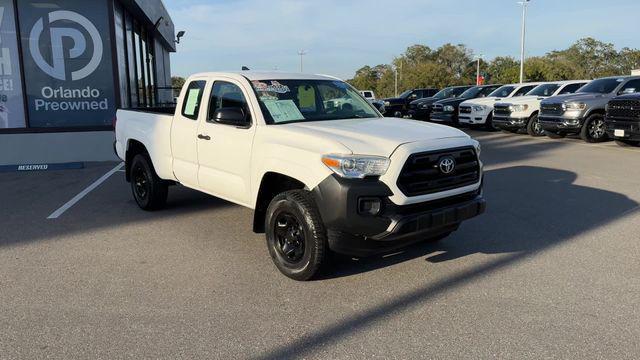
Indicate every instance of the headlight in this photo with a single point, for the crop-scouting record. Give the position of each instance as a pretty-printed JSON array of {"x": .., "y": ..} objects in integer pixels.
[
  {"x": 424, "y": 106},
  {"x": 448, "y": 108},
  {"x": 386, "y": 103},
  {"x": 574, "y": 106},
  {"x": 518, "y": 108},
  {"x": 478, "y": 108},
  {"x": 356, "y": 166}
]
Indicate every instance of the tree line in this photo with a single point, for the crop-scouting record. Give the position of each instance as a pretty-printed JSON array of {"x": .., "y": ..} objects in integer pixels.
[{"x": 420, "y": 66}]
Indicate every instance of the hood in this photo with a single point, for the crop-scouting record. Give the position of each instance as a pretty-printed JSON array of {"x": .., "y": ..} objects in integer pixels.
[
  {"x": 427, "y": 100},
  {"x": 394, "y": 100},
  {"x": 376, "y": 136},
  {"x": 523, "y": 99},
  {"x": 451, "y": 101},
  {"x": 484, "y": 100},
  {"x": 577, "y": 97}
]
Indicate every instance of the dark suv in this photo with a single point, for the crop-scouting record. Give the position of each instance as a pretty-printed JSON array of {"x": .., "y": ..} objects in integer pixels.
[
  {"x": 399, "y": 106},
  {"x": 421, "y": 109},
  {"x": 623, "y": 119},
  {"x": 446, "y": 111}
]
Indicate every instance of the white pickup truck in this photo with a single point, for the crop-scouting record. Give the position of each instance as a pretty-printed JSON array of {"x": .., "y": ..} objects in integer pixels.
[
  {"x": 520, "y": 113},
  {"x": 321, "y": 175},
  {"x": 479, "y": 111}
]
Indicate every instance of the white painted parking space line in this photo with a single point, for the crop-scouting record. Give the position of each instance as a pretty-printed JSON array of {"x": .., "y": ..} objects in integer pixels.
[{"x": 84, "y": 192}]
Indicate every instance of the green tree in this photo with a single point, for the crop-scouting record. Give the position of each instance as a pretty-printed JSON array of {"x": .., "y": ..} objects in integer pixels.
[{"x": 177, "y": 81}]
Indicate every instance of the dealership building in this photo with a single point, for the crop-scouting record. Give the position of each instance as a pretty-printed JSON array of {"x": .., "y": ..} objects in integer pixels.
[{"x": 66, "y": 66}]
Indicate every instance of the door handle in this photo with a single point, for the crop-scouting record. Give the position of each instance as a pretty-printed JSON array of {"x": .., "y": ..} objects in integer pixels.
[{"x": 204, "y": 137}]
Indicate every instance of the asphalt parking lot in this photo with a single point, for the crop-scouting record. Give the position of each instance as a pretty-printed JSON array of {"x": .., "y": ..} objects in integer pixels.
[{"x": 550, "y": 271}]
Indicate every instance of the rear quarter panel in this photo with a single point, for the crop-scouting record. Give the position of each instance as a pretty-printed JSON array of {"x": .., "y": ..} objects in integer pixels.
[{"x": 153, "y": 131}]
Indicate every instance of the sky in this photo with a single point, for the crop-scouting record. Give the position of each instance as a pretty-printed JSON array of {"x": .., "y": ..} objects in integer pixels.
[{"x": 340, "y": 36}]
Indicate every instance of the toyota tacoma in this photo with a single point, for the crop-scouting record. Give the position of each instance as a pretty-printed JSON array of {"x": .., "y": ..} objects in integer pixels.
[{"x": 322, "y": 169}]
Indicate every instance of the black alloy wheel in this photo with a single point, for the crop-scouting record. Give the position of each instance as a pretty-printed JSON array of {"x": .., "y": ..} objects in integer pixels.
[{"x": 290, "y": 237}]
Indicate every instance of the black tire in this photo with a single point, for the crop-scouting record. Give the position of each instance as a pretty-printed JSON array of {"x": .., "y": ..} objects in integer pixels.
[
  {"x": 627, "y": 143},
  {"x": 594, "y": 129},
  {"x": 533, "y": 126},
  {"x": 296, "y": 236},
  {"x": 149, "y": 191},
  {"x": 554, "y": 135},
  {"x": 488, "y": 125}
]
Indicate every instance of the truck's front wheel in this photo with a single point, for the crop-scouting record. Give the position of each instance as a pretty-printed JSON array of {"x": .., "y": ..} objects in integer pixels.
[
  {"x": 296, "y": 236},
  {"x": 149, "y": 191}
]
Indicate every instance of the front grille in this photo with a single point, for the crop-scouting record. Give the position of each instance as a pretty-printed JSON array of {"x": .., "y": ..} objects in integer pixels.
[
  {"x": 437, "y": 108},
  {"x": 551, "y": 109},
  {"x": 465, "y": 109},
  {"x": 501, "y": 110},
  {"x": 627, "y": 109},
  {"x": 421, "y": 173}
]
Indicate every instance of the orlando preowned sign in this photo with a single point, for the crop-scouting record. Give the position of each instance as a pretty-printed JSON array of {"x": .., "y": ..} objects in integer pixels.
[{"x": 67, "y": 63}]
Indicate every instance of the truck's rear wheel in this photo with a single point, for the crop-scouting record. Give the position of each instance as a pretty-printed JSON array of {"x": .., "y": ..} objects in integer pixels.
[
  {"x": 149, "y": 191},
  {"x": 533, "y": 126},
  {"x": 296, "y": 237}
]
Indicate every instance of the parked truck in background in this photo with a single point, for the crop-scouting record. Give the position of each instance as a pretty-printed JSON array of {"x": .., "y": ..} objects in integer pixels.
[
  {"x": 583, "y": 112},
  {"x": 320, "y": 174},
  {"x": 399, "y": 106},
  {"x": 421, "y": 109},
  {"x": 521, "y": 113},
  {"x": 479, "y": 111},
  {"x": 446, "y": 111},
  {"x": 623, "y": 119}
]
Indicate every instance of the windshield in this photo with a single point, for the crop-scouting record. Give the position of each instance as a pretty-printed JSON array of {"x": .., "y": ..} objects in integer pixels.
[
  {"x": 405, "y": 94},
  {"x": 471, "y": 92},
  {"x": 503, "y": 91},
  {"x": 449, "y": 92},
  {"x": 285, "y": 101},
  {"x": 601, "y": 86},
  {"x": 544, "y": 90}
]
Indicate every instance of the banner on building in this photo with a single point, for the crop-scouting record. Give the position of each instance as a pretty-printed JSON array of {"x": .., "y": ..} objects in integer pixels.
[
  {"x": 11, "y": 99},
  {"x": 67, "y": 63}
]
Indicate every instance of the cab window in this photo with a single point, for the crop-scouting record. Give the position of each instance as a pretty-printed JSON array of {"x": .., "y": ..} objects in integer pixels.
[
  {"x": 192, "y": 99},
  {"x": 523, "y": 90},
  {"x": 227, "y": 95}
]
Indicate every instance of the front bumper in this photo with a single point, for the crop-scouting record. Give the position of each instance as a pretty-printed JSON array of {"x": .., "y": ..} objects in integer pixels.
[
  {"x": 560, "y": 123},
  {"x": 355, "y": 233},
  {"x": 444, "y": 117},
  {"x": 510, "y": 123},
  {"x": 474, "y": 117},
  {"x": 626, "y": 130},
  {"x": 419, "y": 114}
]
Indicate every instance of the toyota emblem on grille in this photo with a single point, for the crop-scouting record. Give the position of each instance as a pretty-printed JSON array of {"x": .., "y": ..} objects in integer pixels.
[{"x": 447, "y": 164}]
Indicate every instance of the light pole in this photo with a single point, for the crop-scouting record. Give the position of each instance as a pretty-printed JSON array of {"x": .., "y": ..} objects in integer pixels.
[
  {"x": 524, "y": 18},
  {"x": 301, "y": 53},
  {"x": 478, "y": 70}
]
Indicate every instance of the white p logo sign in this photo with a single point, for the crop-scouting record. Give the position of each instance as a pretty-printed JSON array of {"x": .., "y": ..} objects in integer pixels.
[{"x": 57, "y": 34}]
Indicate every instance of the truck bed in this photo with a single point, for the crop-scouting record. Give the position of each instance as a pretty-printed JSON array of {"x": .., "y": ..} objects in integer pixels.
[{"x": 151, "y": 127}]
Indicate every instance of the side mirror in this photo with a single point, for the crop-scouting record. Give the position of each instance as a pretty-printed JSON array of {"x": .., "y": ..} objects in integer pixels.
[
  {"x": 231, "y": 116},
  {"x": 628, "y": 91}
]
